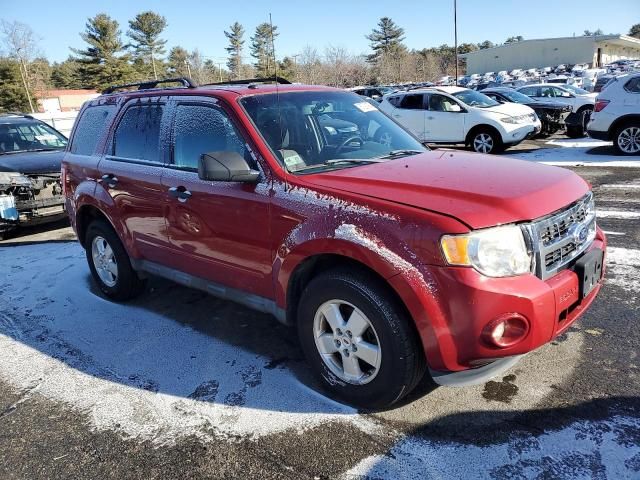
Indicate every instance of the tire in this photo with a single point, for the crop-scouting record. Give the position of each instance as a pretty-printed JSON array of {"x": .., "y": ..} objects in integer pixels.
[
  {"x": 575, "y": 132},
  {"x": 388, "y": 375},
  {"x": 626, "y": 139},
  {"x": 115, "y": 276},
  {"x": 484, "y": 140}
]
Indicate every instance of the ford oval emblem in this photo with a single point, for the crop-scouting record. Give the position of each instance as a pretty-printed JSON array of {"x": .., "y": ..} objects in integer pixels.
[{"x": 580, "y": 236}]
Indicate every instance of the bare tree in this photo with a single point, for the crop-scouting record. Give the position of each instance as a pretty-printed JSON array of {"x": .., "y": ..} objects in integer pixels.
[
  {"x": 309, "y": 66},
  {"x": 22, "y": 45}
]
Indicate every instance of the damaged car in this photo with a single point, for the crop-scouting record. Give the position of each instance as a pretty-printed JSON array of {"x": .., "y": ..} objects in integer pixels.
[{"x": 30, "y": 179}]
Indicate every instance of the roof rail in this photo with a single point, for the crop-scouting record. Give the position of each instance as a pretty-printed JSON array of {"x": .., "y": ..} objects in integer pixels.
[
  {"x": 146, "y": 85},
  {"x": 248, "y": 81}
]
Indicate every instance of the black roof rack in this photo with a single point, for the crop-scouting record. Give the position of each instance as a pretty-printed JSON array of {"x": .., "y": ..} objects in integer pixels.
[
  {"x": 248, "y": 81},
  {"x": 146, "y": 85}
]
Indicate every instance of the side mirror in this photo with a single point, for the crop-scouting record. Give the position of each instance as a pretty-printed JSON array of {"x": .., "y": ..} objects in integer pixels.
[{"x": 226, "y": 167}]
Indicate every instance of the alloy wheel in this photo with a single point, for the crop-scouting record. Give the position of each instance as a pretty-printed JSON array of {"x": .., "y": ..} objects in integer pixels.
[
  {"x": 629, "y": 140},
  {"x": 347, "y": 342},
  {"x": 104, "y": 261},
  {"x": 483, "y": 143}
]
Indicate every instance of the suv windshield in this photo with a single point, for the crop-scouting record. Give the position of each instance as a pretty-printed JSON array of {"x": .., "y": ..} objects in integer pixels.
[
  {"x": 475, "y": 99},
  {"x": 576, "y": 90},
  {"x": 29, "y": 136},
  {"x": 320, "y": 130}
]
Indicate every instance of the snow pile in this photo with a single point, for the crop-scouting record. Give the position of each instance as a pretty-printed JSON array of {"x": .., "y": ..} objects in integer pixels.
[
  {"x": 584, "y": 151},
  {"x": 586, "y": 450},
  {"x": 135, "y": 370},
  {"x": 623, "y": 266}
]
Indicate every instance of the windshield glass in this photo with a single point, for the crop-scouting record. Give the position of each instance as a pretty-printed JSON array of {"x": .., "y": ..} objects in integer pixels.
[
  {"x": 576, "y": 90},
  {"x": 517, "y": 97},
  {"x": 29, "y": 136},
  {"x": 475, "y": 99},
  {"x": 320, "y": 130}
]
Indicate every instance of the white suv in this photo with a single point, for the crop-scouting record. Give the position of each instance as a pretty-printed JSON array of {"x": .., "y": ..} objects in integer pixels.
[
  {"x": 617, "y": 114},
  {"x": 581, "y": 102},
  {"x": 459, "y": 115}
]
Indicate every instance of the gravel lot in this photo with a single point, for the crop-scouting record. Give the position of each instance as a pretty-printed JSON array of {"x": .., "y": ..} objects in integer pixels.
[{"x": 178, "y": 384}]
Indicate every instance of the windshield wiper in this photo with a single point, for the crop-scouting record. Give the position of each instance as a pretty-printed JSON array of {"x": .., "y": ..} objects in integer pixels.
[
  {"x": 400, "y": 153},
  {"x": 334, "y": 161}
]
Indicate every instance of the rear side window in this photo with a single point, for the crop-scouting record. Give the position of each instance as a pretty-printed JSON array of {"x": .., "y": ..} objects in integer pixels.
[
  {"x": 91, "y": 125},
  {"x": 531, "y": 91},
  {"x": 633, "y": 85},
  {"x": 138, "y": 133},
  {"x": 201, "y": 129}
]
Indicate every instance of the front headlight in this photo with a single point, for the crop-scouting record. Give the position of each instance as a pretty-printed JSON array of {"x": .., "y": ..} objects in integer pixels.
[
  {"x": 518, "y": 119},
  {"x": 494, "y": 252}
]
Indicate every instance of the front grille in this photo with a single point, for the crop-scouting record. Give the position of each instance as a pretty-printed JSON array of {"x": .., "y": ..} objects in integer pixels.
[{"x": 558, "y": 239}]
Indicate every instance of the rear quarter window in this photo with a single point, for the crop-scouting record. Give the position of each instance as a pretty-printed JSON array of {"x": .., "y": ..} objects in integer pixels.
[
  {"x": 633, "y": 85},
  {"x": 91, "y": 125}
]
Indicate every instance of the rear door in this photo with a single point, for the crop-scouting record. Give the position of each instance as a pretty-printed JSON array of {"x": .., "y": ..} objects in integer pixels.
[
  {"x": 221, "y": 231},
  {"x": 130, "y": 173},
  {"x": 410, "y": 113},
  {"x": 445, "y": 119}
]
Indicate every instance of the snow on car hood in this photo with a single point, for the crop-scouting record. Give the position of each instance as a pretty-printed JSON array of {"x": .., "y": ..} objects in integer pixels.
[
  {"x": 511, "y": 109},
  {"x": 480, "y": 190}
]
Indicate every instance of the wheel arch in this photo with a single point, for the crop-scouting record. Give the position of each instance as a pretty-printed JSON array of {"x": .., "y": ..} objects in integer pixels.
[
  {"x": 623, "y": 120},
  {"x": 482, "y": 127}
]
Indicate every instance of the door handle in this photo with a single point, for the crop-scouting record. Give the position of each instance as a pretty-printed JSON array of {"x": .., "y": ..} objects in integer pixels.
[
  {"x": 110, "y": 180},
  {"x": 181, "y": 193}
]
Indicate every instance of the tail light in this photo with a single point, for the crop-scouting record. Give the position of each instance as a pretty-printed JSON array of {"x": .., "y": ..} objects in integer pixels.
[
  {"x": 600, "y": 104},
  {"x": 506, "y": 330}
]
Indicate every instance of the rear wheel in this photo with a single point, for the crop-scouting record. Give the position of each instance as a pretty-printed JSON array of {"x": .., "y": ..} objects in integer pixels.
[
  {"x": 358, "y": 340},
  {"x": 110, "y": 264},
  {"x": 627, "y": 139}
]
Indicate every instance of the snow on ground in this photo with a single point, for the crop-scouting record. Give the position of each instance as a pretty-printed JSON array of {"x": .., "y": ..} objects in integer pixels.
[
  {"x": 134, "y": 370},
  {"x": 579, "y": 451},
  {"x": 573, "y": 152}
]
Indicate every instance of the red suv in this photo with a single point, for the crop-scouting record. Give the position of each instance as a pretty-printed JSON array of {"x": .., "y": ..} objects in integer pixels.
[{"x": 310, "y": 204}]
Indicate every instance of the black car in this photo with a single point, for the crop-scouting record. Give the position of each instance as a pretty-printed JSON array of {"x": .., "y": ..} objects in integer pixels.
[
  {"x": 30, "y": 184},
  {"x": 552, "y": 115}
]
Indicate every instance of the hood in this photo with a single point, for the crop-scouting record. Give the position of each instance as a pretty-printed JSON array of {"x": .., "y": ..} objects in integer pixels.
[
  {"x": 548, "y": 104},
  {"x": 511, "y": 109},
  {"x": 31, "y": 162},
  {"x": 480, "y": 190}
]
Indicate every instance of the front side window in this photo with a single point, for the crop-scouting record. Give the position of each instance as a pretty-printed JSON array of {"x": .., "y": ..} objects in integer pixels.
[
  {"x": 29, "y": 136},
  {"x": 440, "y": 103},
  {"x": 138, "y": 133},
  {"x": 89, "y": 128},
  {"x": 199, "y": 129},
  {"x": 530, "y": 91},
  {"x": 326, "y": 130}
]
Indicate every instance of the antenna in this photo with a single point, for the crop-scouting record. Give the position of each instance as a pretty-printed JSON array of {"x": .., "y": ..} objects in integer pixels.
[{"x": 275, "y": 62}]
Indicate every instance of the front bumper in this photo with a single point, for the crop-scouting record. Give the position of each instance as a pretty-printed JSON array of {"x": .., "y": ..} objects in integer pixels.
[
  {"x": 469, "y": 301},
  {"x": 30, "y": 212},
  {"x": 519, "y": 134}
]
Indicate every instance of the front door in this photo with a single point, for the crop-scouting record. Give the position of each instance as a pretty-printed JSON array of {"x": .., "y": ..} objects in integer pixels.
[
  {"x": 131, "y": 174},
  {"x": 219, "y": 231}
]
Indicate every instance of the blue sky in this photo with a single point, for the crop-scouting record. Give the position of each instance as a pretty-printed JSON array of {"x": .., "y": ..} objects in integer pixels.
[{"x": 344, "y": 23}]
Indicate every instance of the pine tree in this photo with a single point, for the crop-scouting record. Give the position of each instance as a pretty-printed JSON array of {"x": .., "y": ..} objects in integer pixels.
[
  {"x": 13, "y": 97},
  {"x": 634, "y": 31},
  {"x": 262, "y": 50},
  {"x": 145, "y": 30},
  {"x": 236, "y": 43},
  {"x": 178, "y": 62},
  {"x": 66, "y": 74},
  {"x": 103, "y": 62},
  {"x": 386, "y": 40}
]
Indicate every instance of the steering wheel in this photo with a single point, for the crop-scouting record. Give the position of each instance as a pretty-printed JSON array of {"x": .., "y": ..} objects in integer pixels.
[{"x": 348, "y": 141}]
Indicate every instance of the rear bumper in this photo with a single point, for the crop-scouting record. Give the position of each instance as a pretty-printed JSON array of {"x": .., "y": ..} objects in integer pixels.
[
  {"x": 598, "y": 135},
  {"x": 466, "y": 301}
]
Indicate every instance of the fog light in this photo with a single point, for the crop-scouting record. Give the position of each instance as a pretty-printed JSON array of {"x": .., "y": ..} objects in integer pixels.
[{"x": 506, "y": 330}]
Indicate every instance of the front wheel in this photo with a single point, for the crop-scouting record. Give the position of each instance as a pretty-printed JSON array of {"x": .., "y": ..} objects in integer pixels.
[
  {"x": 627, "y": 139},
  {"x": 358, "y": 340},
  {"x": 486, "y": 141}
]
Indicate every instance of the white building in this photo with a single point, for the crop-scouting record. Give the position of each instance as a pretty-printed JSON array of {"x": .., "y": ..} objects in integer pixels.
[{"x": 596, "y": 50}]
